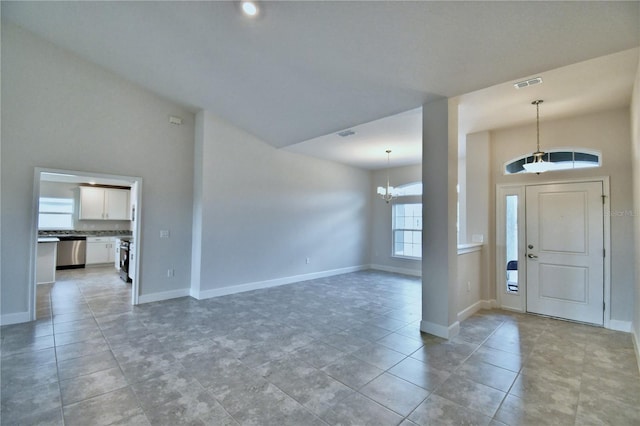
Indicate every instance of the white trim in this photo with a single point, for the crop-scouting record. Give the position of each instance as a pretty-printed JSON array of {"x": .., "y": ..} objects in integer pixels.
[
  {"x": 516, "y": 301},
  {"x": 480, "y": 304},
  {"x": 163, "y": 295},
  {"x": 396, "y": 270},
  {"x": 469, "y": 310},
  {"x": 489, "y": 304},
  {"x": 469, "y": 248},
  {"x": 257, "y": 285},
  {"x": 134, "y": 180},
  {"x": 618, "y": 325},
  {"x": 636, "y": 346},
  {"x": 440, "y": 330},
  {"x": 15, "y": 318}
]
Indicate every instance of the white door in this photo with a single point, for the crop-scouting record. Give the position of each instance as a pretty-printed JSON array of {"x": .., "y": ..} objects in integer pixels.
[{"x": 565, "y": 251}]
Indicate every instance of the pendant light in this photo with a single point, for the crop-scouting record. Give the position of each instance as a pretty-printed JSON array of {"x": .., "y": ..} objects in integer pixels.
[
  {"x": 538, "y": 165},
  {"x": 387, "y": 193}
]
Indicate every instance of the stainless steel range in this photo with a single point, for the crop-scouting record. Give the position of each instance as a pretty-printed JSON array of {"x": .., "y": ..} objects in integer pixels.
[{"x": 124, "y": 260}]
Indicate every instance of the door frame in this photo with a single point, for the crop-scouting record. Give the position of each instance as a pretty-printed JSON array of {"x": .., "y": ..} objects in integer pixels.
[
  {"x": 135, "y": 180},
  {"x": 503, "y": 189}
]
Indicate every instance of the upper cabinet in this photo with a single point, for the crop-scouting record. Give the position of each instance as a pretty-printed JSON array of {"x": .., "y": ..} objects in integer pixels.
[{"x": 104, "y": 203}]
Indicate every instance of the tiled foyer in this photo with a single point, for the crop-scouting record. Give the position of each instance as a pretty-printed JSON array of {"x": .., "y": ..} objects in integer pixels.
[{"x": 344, "y": 350}]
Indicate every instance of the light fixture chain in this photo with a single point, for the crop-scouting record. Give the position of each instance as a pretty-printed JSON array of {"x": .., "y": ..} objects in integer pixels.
[{"x": 538, "y": 124}]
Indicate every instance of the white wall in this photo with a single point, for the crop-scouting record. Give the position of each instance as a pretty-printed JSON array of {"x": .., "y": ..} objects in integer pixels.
[
  {"x": 381, "y": 220},
  {"x": 478, "y": 194},
  {"x": 439, "y": 236},
  {"x": 470, "y": 272},
  {"x": 72, "y": 190},
  {"x": 262, "y": 211},
  {"x": 609, "y": 132},
  {"x": 635, "y": 150},
  {"x": 61, "y": 112}
]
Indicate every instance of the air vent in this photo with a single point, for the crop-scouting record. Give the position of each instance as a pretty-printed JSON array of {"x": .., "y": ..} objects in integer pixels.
[
  {"x": 346, "y": 133},
  {"x": 527, "y": 83}
]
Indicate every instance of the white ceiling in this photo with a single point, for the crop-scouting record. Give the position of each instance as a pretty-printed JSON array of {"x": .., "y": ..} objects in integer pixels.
[
  {"x": 401, "y": 133},
  {"x": 306, "y": 69},
  {"x": 594, "y": 85}
]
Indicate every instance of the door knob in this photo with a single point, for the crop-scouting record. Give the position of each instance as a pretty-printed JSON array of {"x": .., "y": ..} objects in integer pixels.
[{"x": 532, "y": 256}]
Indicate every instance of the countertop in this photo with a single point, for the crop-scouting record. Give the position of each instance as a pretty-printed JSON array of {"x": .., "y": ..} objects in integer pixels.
[
  {"x": 48, "y": 240},
  {"x": 85, "y": 233}
]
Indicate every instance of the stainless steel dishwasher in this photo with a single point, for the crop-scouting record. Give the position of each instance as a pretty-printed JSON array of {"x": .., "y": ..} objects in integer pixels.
[{"x": 72, "y": 252}]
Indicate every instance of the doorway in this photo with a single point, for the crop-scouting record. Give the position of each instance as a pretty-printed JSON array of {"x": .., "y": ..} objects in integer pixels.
[
  {"x": 53, "y": 185},
  {"x": 551, "y": 245}
]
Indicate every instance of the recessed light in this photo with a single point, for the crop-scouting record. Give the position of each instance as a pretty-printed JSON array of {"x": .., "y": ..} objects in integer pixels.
[{"x": 249, "y": 8}]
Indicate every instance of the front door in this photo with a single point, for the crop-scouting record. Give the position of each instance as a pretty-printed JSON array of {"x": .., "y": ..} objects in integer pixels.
[{"x": 565, "y": 251}]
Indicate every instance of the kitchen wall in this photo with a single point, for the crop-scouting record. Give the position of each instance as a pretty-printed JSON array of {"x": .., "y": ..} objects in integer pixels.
[
  {"x": 72, "y": 190},
  {"x": 260, "y": 213},
  {"x": 61, "y": 112},
  {"x": 381, "y": 220},
  {"x": 635, "y": 149},
  {"x": 608, "y": 132}
]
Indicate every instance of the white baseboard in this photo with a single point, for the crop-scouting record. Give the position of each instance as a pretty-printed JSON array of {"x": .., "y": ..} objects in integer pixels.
[
  {"x": 440, "y": 330},
  {"x": 636, "y": 345},
  {"x": 469, "y": 310},
  {"x": 489, "y": 304},
  {"x": 257, "y": 285},
  {"x": 14, "y": 318},
  {"x": 404, "y": 271},
  {"x": 480, "y": 304},
  {"x": 163, "y": 295},
  {"x": 618, "y": 325}
]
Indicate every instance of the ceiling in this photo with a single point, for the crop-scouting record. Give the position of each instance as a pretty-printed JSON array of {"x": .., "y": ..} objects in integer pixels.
[{"x": 306, "y": 69}]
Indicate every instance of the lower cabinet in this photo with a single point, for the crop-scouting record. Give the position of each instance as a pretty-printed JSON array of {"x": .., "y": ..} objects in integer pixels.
[{"x": 100, "y": 250}]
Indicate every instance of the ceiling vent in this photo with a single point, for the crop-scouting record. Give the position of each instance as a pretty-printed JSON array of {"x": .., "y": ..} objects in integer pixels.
[
  {"x": 527, "y": 83},
  {"x": 346, "y": 133}
]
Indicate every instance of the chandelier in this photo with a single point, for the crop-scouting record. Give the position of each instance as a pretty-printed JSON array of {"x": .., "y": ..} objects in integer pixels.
[
  {"x": 538, "y": 165},
  {"x": 387, "y": 193}
]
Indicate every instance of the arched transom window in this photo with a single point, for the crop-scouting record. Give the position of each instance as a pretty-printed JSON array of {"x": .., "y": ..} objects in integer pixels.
[{"x": 558, "y": 159}]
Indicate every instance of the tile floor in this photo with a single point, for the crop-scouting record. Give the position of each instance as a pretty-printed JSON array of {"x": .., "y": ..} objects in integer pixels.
[{"x": 344, "y": 350}]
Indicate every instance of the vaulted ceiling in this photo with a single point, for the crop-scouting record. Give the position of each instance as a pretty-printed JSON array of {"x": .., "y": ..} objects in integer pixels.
[{"x": 306, "y": 69}]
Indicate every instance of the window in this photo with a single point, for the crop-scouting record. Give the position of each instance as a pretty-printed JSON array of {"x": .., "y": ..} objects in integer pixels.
[
  {"x": 511, "y": 243},
  {"x": 55, "y": 213},
  {"x": 407, "y": 230},
  {"x": 560, "y": 159}
]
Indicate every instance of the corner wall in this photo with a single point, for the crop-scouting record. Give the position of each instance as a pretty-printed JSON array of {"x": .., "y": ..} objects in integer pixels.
[
  {"x": 265, "y": 211},
  {"x": 635, "y": 155},
  {"x": 62, "y": 112}
]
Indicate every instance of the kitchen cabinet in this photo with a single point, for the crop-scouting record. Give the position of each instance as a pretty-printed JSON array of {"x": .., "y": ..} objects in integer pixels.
[
  {"x": 100, "y": 250},
  {"x": 98, "y": 203}
]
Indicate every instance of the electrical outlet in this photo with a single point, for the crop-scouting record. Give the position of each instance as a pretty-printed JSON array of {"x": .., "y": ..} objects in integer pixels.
[
  {"x": 164, "y": 233},
  {"x": 308, "y": 260},
  {"x": 170, "y": 273},
  {"x": 468, "y": 286}
]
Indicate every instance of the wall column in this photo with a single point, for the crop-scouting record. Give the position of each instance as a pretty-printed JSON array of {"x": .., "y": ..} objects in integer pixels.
[{"x": 439, "y": 213}]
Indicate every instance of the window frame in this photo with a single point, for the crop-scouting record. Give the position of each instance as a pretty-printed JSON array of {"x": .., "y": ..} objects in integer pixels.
[
  {"x": 574, "y": 151},
  {"x": 409, "y": 200},
  {"x": 68, "y": 202}
]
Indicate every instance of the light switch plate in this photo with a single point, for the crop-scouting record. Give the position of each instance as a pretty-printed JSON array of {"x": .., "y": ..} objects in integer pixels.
[{"x": 164, "y": 233}]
